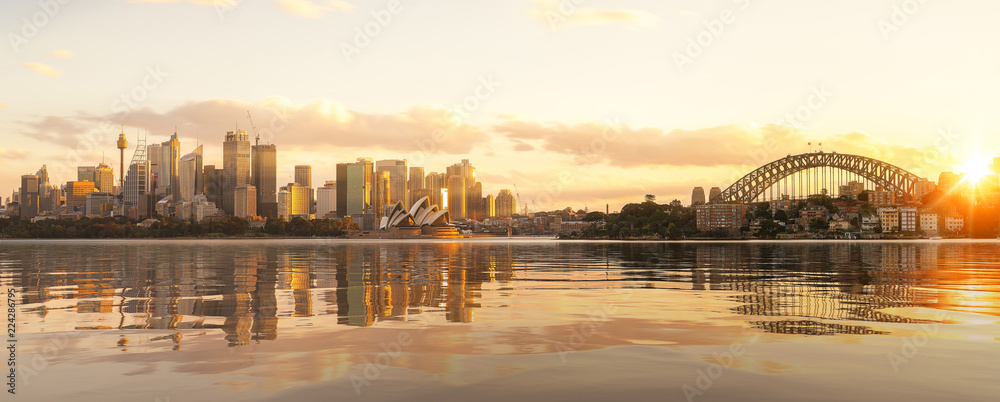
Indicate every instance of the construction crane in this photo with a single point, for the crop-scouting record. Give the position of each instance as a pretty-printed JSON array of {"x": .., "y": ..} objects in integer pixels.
[
  {"x": 255, "y": 132},
  {"x": 516, "y": 191}
]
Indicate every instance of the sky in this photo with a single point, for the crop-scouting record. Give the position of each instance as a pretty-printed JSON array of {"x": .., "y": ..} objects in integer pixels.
[{"x": 571, "y": 103}]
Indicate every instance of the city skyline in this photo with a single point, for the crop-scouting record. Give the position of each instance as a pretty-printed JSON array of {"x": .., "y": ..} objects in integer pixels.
[{"x": 674, "y": 125}]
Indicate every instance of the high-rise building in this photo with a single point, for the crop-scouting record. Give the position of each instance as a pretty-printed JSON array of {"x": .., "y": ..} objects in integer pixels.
[
  {"x": 137, "y": 181},
  {"x": 383, "y": 192},
  {"x": 213, "y": 184},
  {"x": 326, "y": 200},
  {"x": 354, "y": 187},
  {"x": 191, "y": 177},
  {"x": 29, "y": 196},
  {"x": 86, "y": 173},
  {"x": 155, "y": 182},
  {"x": 851, "y": 190},
  {"x": 506, "y": 204},
  {"x": 246, "y": 201},
  {"x": 284, "y": 204},
  {"x": 415, "y": 184},
  {"x": 264, "y": 176},
  {"x": 76, "y": 194},
  {"x": 490, "y": 207},
  {"x": 456, "y": 198},
  {"x": 435, "y": 184},
  {"x": 296, "y": 201},
  {"x": 235, "y": 167},
  {"x": 698, "y": 196},
  {"x": 714, "y": 193},
  {"x": 949, "y": 182},
  {"x": 474, "y": 201},
  {"x": 398, "y": 181},
  {"x": 922, "y": 187},
  {"x": 303, "y": 176},
  {"x": 465, "y": 170},
  {"x": 104, "y": 178},
  {"x": 45, "y": 201}
]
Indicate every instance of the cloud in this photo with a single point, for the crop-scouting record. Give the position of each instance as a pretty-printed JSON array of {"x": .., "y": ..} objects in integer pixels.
[
  {"x": 13, "y": 153},
  {"x": 315, "y": 126},
  {"x": 734, "y": 145},
  {"x": 311, "y": 9},
  {"x": 555, "y": 14},
  {"x": 61, "y": 54},
  {"x": 43, "y": 69},
  {"x": 2, "y": 105}
]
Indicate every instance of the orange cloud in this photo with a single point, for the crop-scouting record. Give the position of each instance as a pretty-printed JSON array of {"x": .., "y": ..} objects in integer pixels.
[
  {"x": 732, "y": 145},
  {"x": 318, "y": 125},
  {"x": 12, "y": 153},
  {"x": 44, "y": 69}
]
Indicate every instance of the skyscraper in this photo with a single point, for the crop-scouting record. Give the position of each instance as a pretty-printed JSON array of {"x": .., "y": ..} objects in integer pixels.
[
  {"x": 435, "y": 183},
  {"x": 383, "y": 191},
  {"x": 303, "y": 176},
  {"x": 468, "y": 172},
  {"x": 398, "y": 172},
  {"x": 191, "y": 178},
  {"x": 326, "y": 200},
  {"x": 697, "y": 196},
  {"x": 137, "y": 181},
  {"x": 416, "y": 183},
  {"x": 153, "y": 156},
  {"x": 246, "y": 201},
  {"x": 86, "y": 173},
  {"x": 104, "y": 178},
  {"x": 213, "y": 184},
  {"x": 170, "y": 167},
  {"x": 235, "y": 167},
  {"x": 29, "y": 196},
  {"x": 474, "y": 201},
  {"x": 490, "y": 206},
  {"x": 456, "y": 198},
  {"x": 296, "y": 201},
  {"x": 506, "y": 204},
  {"x": 76, "y": 194},
  {"x": 265, "y": 178},
  {"x": 354, "y": 187}
]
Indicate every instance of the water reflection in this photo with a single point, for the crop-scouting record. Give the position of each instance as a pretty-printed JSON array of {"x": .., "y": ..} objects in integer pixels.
[{"x": 251, "y": 290}]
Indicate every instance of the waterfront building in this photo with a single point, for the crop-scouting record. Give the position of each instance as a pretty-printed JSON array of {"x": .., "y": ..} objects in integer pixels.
[
  {"x": 881, "y": 198},
  {"x": 929, "y": 223},
  {"x": 99, "y": 204},
  {"x": 383, "y": 192},
  {"x": 954, "y": 224},
  {"x": 721, "y": 216},
  {"x": 889, "y": 219},
  {"x": 907, "y": 220}
]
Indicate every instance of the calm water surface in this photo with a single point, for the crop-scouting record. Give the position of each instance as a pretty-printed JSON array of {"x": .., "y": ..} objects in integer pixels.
[{"x": 505, "y": 320}]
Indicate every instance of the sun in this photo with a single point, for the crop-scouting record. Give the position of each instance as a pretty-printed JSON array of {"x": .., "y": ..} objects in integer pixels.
[{"x": 976, "y": 167}]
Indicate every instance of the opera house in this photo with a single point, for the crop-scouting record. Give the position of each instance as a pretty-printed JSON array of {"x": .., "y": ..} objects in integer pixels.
[{"x": 422, "y": 220}]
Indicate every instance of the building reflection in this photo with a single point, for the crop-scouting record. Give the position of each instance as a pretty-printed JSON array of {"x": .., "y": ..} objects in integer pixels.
[{"x": 245, "y": 291}]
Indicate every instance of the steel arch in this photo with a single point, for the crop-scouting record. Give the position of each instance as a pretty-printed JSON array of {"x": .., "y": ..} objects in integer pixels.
[{"x": 748, "y": 188}]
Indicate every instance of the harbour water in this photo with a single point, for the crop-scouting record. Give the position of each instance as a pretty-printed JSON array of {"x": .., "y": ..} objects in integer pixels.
[{"x": 498, "y": 320}]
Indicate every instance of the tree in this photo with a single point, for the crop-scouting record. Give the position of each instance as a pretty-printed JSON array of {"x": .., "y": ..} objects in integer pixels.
[
  {"x": 781, "y": 216},
  {"x": 595, "y": 216},
  {"x": 650, "y": 198}
]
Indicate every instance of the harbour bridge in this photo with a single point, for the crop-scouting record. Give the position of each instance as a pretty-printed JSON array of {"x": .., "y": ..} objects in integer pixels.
[{"x": 801, "y": 175}]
